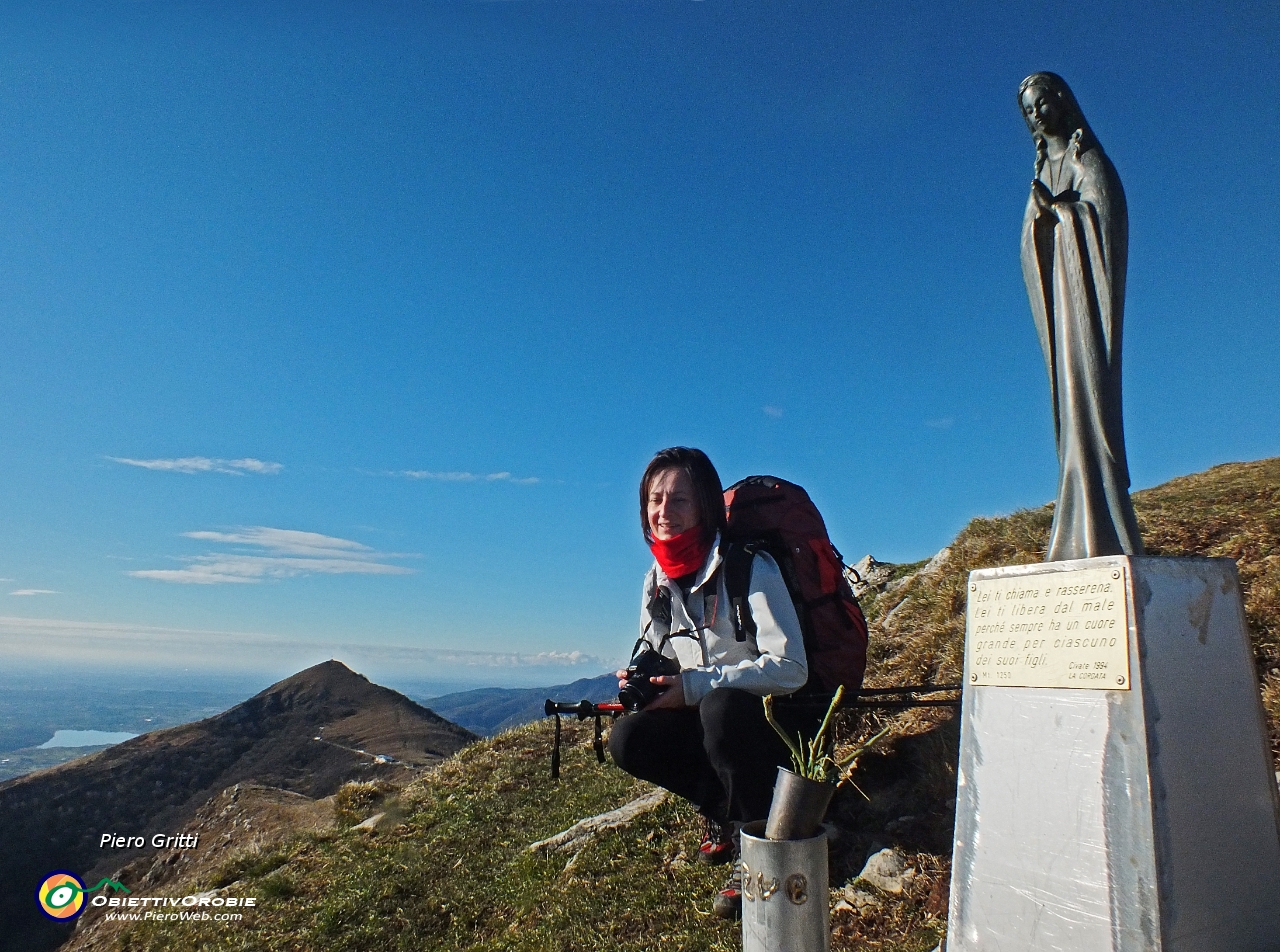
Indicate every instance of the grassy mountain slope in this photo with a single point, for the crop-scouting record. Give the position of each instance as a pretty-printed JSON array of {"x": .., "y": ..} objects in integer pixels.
[
  {"x": 52, "y": 819},
  {"x": 1231, "y": 510},
  {"x": 453, "y": 871},
  {"x": 456, "y": 874},
  {"x": 239, "y": 830}
]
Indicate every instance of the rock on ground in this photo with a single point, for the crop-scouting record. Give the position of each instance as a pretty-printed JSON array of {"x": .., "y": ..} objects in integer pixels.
[
  {"x": 887, "y": 871},
  {"x": 581, "y": 832}
]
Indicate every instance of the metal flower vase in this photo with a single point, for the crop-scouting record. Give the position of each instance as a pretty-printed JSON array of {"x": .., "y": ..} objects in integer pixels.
[
  {"x": 785, "y": 898},
  {"x": 798, "y": 807}
]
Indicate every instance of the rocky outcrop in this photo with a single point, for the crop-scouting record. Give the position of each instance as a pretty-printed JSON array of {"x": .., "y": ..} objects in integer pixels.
[{"x": 867, "y": 574}]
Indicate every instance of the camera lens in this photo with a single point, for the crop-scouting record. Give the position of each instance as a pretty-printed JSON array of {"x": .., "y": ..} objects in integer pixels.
[{"x": 632, "y": 697}]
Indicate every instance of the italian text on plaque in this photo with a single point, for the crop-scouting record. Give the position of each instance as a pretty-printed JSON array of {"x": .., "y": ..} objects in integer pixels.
[{"x": 1052, "y": 630}]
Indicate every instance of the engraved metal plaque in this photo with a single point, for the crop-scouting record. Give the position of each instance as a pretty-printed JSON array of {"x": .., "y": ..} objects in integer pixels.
[{"x": 1050, "y": 630}]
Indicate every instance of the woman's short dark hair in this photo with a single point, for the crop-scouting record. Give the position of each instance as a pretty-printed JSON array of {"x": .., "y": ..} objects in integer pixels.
[{"x": 707, "y": 490}]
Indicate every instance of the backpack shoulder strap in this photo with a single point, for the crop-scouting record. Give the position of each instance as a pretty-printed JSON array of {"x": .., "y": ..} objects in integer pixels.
[{"x": 737, "y": 582}]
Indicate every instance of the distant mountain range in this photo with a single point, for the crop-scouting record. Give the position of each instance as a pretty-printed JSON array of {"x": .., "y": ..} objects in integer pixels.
[
  {"x": 308, "y": 734},
  {"x": 490, "y": 711}
]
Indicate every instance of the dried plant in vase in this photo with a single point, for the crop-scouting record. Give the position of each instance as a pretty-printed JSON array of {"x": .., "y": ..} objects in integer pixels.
[{"x": 801, "y": 796}]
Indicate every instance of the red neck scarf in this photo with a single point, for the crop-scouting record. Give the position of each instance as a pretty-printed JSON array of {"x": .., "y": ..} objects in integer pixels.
[{"x": 683, "y": 554}]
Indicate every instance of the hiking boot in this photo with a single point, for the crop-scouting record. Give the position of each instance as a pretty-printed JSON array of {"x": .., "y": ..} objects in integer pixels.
[
  {"x": 717, "y": 842},
  {"x": 728, "y": 901}
]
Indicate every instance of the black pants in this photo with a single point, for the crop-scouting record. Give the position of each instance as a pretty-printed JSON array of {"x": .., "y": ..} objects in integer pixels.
[{"x": 722, "y": 755}]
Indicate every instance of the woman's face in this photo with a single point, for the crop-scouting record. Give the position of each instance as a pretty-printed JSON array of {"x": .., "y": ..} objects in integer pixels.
[
  {"x": 1043, "y": 110},
  {"x": 672, "y": 507}
]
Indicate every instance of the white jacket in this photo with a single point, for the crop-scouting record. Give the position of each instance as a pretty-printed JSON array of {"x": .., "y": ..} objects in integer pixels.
[{"x": 702, "y": 637}]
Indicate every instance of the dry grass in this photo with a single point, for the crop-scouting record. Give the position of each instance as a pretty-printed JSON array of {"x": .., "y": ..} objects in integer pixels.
[
  {"x": 917, "y": 636},
  {"x": 455, "y": 874},
  {"x": 1231, "y": 510},
  {"x": 359, "y": 799}
]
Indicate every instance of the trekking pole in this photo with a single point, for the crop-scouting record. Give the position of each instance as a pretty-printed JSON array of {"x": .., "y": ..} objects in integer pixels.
[{"x": 583, "y": 709}]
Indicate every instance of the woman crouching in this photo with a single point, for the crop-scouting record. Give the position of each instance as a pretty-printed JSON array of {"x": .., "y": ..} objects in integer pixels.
[{"x": 705, "y": 737}]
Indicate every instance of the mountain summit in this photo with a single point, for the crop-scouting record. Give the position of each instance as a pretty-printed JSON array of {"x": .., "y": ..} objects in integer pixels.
[
  {"x": 468, "y": 863},
  {"x": 308, "y": 734}
]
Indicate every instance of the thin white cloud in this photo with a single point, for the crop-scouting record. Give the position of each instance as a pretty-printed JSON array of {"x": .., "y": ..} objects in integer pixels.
[
  {"x": 251, "y": 465},
  {"x": 204, "y": 464},
  {"x": 940, "y": 423},
  {"x": 120, "y": 644},
  {"x": 284, "y": 541},
  {"x": 214, "y": 569},
  {"x": 290, "y": 553},
  {"x": 771, "y": 411},
  {"x": 464, "y": 477},
  {"x": 34, "y": 591}
]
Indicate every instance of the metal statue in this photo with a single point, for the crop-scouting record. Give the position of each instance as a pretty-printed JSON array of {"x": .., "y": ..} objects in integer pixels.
[{"x": 1075, "y": 245}]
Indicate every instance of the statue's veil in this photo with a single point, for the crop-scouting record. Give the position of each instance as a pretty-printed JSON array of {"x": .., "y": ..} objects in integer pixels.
[{"x": 1058, "y": 86}]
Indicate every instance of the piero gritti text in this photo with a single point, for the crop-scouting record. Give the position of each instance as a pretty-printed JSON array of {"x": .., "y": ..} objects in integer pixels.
[{"x": 182, "y": 841}]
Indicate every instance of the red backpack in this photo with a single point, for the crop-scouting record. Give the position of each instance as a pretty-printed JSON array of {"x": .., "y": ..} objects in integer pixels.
[{"x": 772, "y": 515}]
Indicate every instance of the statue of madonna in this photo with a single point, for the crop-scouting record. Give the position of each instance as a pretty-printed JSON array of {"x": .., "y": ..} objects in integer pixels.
[{"x": 1075, "y": 244}]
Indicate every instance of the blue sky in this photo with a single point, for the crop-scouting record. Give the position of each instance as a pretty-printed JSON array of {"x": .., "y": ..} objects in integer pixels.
[{"x": 338, "y": 329}]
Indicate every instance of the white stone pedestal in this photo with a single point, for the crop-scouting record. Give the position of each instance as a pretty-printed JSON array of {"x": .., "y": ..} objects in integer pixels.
[{"x": 1137, "y": 812}]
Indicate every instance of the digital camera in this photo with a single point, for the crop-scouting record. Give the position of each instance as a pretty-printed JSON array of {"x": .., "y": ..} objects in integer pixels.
[{"x": 639, "y": 690}]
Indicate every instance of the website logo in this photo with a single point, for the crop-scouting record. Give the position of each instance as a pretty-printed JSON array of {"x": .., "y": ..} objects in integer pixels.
[{"x": 61, "y": 894}]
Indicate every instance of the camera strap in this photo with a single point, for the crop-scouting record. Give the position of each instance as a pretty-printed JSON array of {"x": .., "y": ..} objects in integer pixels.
[
  {"x": 659, "y": 608},
  {"x": 659, "y": 615}
]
